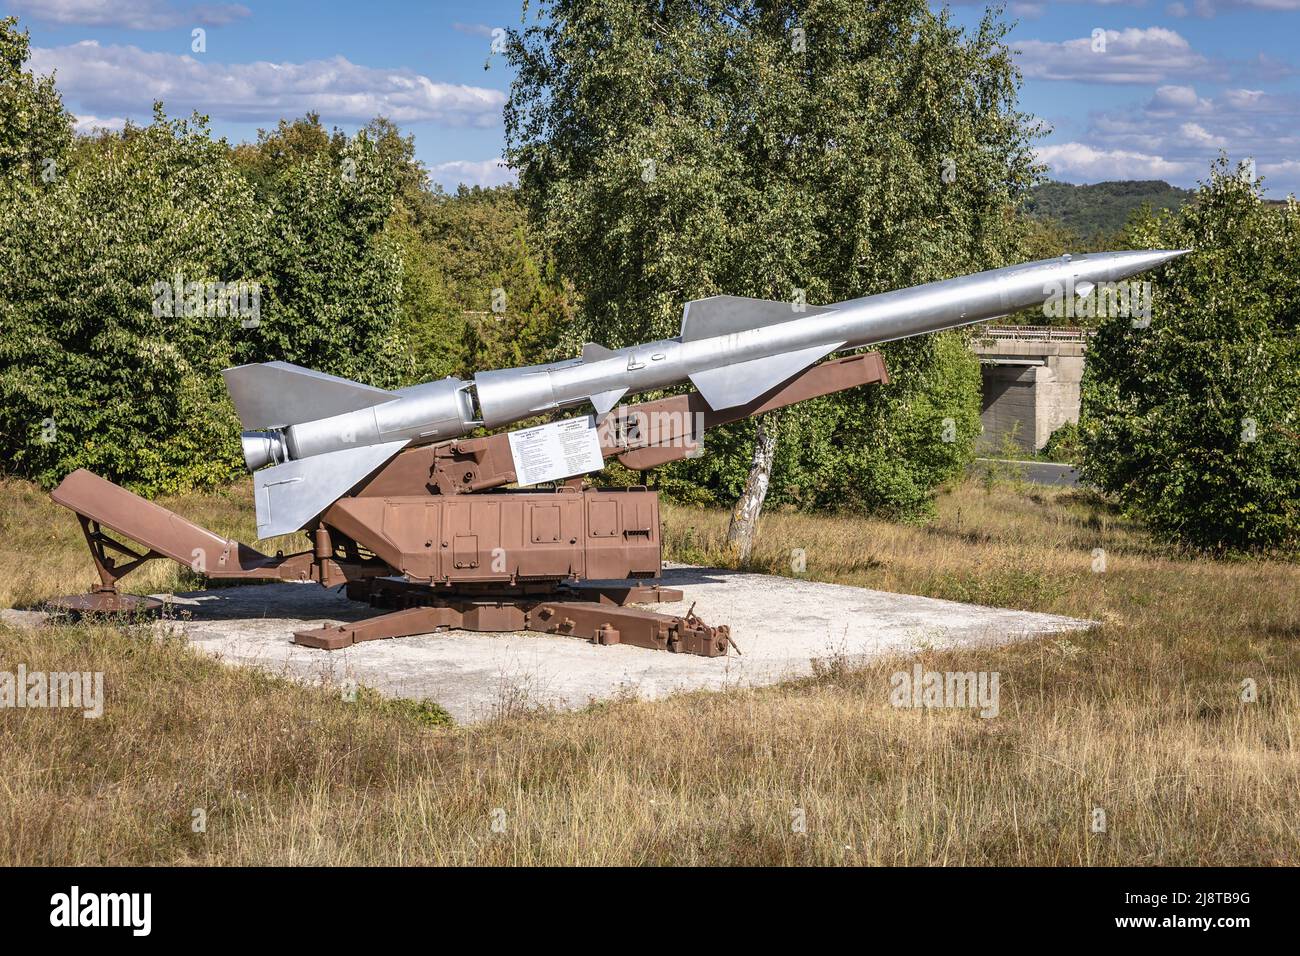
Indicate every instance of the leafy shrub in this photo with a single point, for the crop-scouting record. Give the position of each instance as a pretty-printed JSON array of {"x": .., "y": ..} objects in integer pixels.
[
  {"x": 112, "y": 336},
  {"x": 1194, "y": 422},
  {"x": 91, "y": 373},
  {"x": 1064, "y": 444}
]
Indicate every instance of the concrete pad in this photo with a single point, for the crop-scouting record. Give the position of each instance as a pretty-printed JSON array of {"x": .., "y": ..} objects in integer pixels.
[
  {"x": 781, "y": 625},
  {"x": 21, "y": 618}
]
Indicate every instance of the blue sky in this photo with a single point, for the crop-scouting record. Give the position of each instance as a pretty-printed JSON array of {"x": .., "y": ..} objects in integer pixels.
[{"x": 1131, "y": 88}]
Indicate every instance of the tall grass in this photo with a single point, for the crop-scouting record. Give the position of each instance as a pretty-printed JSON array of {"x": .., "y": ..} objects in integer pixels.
[{"x": 1142, "y": 717}]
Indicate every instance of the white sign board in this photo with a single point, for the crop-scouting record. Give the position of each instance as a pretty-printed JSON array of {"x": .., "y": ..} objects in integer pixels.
[{"x": 555, "y": 451}]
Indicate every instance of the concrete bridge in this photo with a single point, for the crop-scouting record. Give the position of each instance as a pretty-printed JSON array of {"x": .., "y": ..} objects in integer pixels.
[{"x": 1031, "y": 381}]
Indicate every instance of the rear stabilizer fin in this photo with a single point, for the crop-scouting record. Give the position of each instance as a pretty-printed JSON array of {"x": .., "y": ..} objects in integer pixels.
[
  {"x": 289, "y": 495},
  {"x": 278, "y": 394}
]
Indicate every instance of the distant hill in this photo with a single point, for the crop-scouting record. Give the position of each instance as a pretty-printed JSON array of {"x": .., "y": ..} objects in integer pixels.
[{"x": 1101, "y": 208}]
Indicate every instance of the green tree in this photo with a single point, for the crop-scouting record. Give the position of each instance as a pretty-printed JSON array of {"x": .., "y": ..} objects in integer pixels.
[
  {"x": 333, "y": 273},
  {"x": 1046, "y": 238},
  {"x": 98, "y": 369},
  {"x": 303, "y": 151},
  {"x": 828, "y": 149},
  {"x": 277, "y": 151},
  {"x": 496, "y": 300},
  {"x": 35, "y": 129},
  {"x": 113, "y": 324},
  {"x": 1193, "y": 422},
  {"x": 477, "y": 290}
]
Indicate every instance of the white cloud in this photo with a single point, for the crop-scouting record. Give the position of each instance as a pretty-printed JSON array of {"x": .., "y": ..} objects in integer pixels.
[
  {"x": 1027, "y": 11},
  {"x": 487, "y": 172},
  {"x": 129, "y": 14},
  {"x": 474, "y": 29},
  {"x": 126, "y": 79},
  {"x": 1131, "y": 55},
  {"x": 1285, "y": 176},
  {"x": 1208, "y": 8},
  {"x": 1201, "y": 8},
  {"x": 1268, "y": 68},
  {"x": 1244, "y": 99},
  {"x": 1080, "y": 161},
  {"x": 1177, "y": 99},
  {"x": 1177, "y": 9},
  {"x": 86, "y": 124},
  {"x": 1264, "y": 4},
  {"x": 1260, "y": 102},
  {"x": 1178, "y": 133},
  {"x": 1197, "y": 135}
]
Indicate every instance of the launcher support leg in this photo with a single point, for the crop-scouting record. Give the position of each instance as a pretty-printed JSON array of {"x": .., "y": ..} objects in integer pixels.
[
  {"x": 621, "y": 594},
  {"x": 606, "y": 624},
  {"x": 556, "y": 613},
  {"x": 104, "y": 597},
  {"x": 413, "y": 620}
]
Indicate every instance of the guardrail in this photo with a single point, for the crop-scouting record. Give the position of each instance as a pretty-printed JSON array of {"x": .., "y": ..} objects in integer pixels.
[{"x": 1034, "y": 333}]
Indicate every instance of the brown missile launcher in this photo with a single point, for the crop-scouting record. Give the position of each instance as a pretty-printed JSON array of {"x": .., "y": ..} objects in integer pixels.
[{"x": 436, "y": 539}]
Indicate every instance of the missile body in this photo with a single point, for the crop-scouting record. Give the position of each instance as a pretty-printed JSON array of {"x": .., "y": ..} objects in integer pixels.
[{"x": 732, "y": 349}]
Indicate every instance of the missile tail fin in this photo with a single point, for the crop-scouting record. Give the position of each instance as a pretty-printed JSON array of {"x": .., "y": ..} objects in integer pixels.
[
  {"x": 739, "y": 383},
  {"x": 278, "y": 394},
  {"x": 724, "y": 314},
  {"x": 289, "y": 495},
  {"x": 604, "y": 402}
]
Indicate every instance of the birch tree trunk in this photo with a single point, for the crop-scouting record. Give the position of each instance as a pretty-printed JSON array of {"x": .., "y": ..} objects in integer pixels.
[{"x": 744, "y": 516}]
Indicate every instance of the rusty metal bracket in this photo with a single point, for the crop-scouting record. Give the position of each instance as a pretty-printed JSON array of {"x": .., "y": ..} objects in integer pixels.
[
  {"x": 100, "y": 543},
  {"x": 562, "y": 610}
]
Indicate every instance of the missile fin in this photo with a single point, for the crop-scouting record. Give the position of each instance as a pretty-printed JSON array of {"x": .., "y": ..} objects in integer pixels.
[
  {"x": 289, "y": 495},
  {"x": 277, "y": 394},
  {"x": 1084, "y": 289},
  {"x": 730, "y": 385},
  {"x": 591, "y": 352},
  {"x": 603, "y": 402},
  {"x": 724, "y": 314}
]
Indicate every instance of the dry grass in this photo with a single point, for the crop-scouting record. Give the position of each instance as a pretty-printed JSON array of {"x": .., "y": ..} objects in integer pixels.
[
  {"x": 43, "y": 553},
  {"x": 1141, "y": 717}
]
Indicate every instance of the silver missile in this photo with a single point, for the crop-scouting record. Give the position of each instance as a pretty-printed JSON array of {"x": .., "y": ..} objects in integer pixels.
[{"x": 732, "y": 349}]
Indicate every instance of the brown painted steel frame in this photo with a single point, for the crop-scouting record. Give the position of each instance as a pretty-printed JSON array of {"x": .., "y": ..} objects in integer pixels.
[{"x": 389, "y": 525}]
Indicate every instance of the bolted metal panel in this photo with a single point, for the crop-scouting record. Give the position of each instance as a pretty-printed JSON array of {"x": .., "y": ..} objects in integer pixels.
[{"x": 545, "y": 520}]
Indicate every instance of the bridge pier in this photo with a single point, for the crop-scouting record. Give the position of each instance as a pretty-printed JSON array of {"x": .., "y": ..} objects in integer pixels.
[{"x": 1031, "y": 377}]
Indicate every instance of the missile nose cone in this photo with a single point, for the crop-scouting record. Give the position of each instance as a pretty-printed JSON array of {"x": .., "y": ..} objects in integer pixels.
[
  {"x": 1115, "y": 266},
  {"x": 1167, "y": 255}
]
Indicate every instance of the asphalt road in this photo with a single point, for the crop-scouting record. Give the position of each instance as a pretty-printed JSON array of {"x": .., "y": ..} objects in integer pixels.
[{"x": 1041, "y": 472}]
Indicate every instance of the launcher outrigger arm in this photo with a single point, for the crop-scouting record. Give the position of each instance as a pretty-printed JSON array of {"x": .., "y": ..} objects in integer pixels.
[{"x": 433, "y": 536}]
